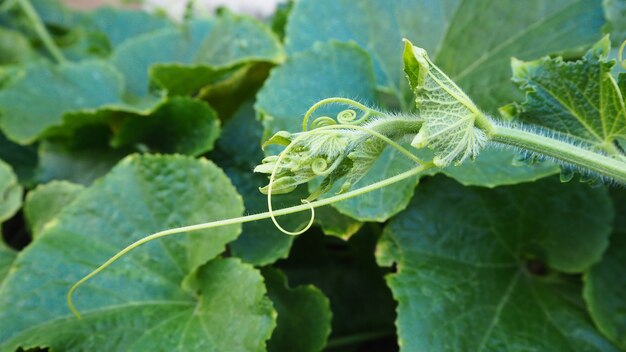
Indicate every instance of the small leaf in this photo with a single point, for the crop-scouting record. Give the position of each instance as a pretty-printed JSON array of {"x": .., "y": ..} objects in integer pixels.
[
  {"x": 579, "y": 100},
  {"x": 10, "y": 192},
  {"x": 46, "y": 201},
  {"x": 477, "y": 268},
  {"x": 453, "y": 125},
  {"x": 160, "y": 296},
  {"x": 304, "y": 315},
  {"x": 28, "y": 105}
]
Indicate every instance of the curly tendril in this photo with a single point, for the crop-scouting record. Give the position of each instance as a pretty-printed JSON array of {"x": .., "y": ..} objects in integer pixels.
[
  {"x": 319, "y": 166},
  {"x": 345, "y": 117},
  {"x": 323, "y": 121}
]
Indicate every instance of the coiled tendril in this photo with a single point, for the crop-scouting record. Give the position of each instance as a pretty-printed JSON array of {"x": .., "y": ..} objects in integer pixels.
[{"x": 345, "y": 117}]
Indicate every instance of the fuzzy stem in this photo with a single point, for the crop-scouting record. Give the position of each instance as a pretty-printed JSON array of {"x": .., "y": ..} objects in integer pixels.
[
  {"x": 561, "y": 151},
  {"x": 243, "y": 219},
  {"x": 41, "y": 30}
]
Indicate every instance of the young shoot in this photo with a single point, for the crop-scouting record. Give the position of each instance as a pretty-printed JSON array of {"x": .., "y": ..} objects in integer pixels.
[{"x": 342, "y": 149}]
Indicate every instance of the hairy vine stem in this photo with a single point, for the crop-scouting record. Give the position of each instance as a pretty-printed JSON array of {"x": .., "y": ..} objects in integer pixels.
[
  {"x": 41, "y": 30},
  {"x": 561, "y": 151}
]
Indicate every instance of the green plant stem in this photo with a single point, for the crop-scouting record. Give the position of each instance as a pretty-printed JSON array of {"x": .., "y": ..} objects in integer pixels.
[
  {"x": 41, "y": 30},
  {"x": 561, "y": 151},
  {"x": 243, "y": 219}
]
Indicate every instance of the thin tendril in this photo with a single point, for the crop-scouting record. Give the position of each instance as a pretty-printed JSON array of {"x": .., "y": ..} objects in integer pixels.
[
  {"x": 272, "y": 214},
  {"x": 368, "y": 111},
  {"x": 304, "y": 135},
  {"x": 244, "y": 219},
  {"x": 622, "y": 62}
]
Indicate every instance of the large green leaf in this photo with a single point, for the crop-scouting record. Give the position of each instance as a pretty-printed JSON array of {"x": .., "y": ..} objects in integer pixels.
[
  {"x": 304, "y": 315},
  {"x": 28, "y": 105},
  {"x": 605, "y": 283},
  {"x": 580, "y": 100},
  {"x": 207, "y": 315},
  {"x": 46, "y": 201},
  {"x": 327, "y": 70},
  {"x": 478, "y": 269},
  {"x": 10, "y": 192},
  {"x": 201, "y": 53},
  {"x": 470, "y": 40},
  {"x": 120, "y": 25},
  {"x": 139, "y": 301}
]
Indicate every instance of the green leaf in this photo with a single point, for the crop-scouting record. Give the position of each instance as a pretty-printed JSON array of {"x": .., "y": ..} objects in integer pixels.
[
  {"x": 453, "y": 126},
  {"x": 475, "y": 56},
  {"x": 477, "y": 269},
  {"x": 579, "y": 100},
  {"x": 29, "y": 106},
  {"x": 200, "y": 53},
  {"x": 605, "y": 284},
  {"x": 207, "y": 316},
  {"x": 326, "y": 70},
  {"x": 179, "y": 125},
  {"x": 134, "y": 57},
  {"x": 139, "y": 301},
  {"x": 238, "y": 39},
  {"x": 46, "y": 201},
  {"x": 10, "y": 192},
  {"x": 304, "y": 315},
  {"x": 120, "y": 25}
]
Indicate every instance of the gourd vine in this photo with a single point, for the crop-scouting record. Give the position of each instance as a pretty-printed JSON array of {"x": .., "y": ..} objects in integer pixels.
[{"x": 343, "y": 149}]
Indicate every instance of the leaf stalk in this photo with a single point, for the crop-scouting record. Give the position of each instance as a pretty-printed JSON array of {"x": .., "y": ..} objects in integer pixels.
[{"x": 41, "y": 30}]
